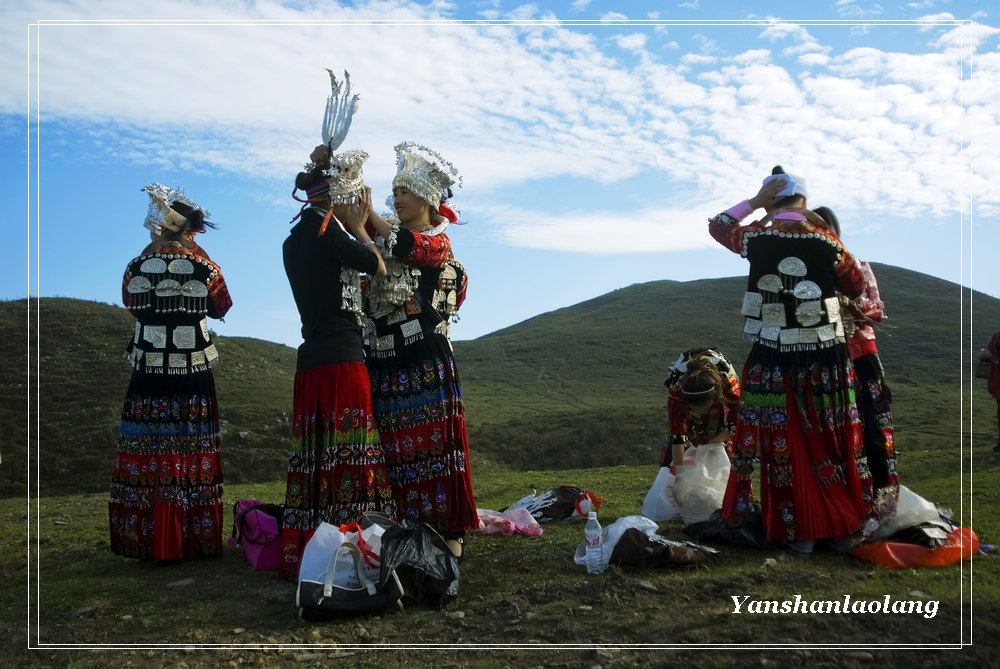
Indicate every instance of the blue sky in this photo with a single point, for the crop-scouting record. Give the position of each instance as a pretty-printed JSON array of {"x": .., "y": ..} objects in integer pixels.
[{"x": 594, "y": 138}]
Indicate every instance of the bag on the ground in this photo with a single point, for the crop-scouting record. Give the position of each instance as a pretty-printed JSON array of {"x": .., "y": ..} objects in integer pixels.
[
  {"x": 421, "y": 557},
  {"x": 506, "y": 523},
  {"x": 342, "y": 574},
  {"x": 565, "y": 503},
  {"x": 632, "y": 541},
  {"x": 257, "y": 529},
  {"x": 747, "y": 532},
  {"x": 659, "y": 503},
  {"x": 961, "y": 544}
]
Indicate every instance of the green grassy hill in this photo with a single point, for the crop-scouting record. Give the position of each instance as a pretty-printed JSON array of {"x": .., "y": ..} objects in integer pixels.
[
  {"x": 582, "y": 386},
  {"x": 576, "y": 387}
]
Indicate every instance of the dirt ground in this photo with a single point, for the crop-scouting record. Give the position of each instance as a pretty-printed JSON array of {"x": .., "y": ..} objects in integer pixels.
[{"x": 210, "y": 614}]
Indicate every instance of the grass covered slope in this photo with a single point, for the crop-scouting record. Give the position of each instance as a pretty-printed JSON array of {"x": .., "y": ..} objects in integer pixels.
[
  {"x": 583, "y": 386},
  {"x": 576, "y": 387},
  {"x": 79, "y": 379}
]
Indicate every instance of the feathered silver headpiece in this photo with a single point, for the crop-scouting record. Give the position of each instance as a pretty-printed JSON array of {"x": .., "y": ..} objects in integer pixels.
[
  {"x": 345, "y": 172},
  {"x": 160, "y": 214},
  {"x": 424, "y": 172},
  {"x": 340, "y": 108}
]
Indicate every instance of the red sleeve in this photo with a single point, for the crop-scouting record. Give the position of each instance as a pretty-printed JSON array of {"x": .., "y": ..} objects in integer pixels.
[
  {"x": 677, "y": 413},
  {"x": 994, "y": 345},
  {"x": 218, "y": 296},
  {"x": 426, "y": 250},
  {"x": 725, "y": 230},
  {"x": 125, "y": 280}
]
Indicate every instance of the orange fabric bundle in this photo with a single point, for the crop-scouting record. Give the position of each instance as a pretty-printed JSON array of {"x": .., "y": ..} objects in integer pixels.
[{"x": 962, "y": 544}]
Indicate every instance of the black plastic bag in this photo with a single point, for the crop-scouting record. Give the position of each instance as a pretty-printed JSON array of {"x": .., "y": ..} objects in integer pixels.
[
  {"x": 420, "y": 557},
  {"x": 749, "y": 532},
  {"x": 565, "y": 503}
]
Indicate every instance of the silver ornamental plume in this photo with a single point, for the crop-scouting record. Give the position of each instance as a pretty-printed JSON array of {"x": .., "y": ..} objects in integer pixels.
[{"x": 340, "y": 108}]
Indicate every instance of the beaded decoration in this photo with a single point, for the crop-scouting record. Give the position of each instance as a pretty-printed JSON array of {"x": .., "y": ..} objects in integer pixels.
[{"x": 166, "y": 284}]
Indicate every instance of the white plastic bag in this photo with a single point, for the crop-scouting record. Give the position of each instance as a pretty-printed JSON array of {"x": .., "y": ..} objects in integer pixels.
[
  {"x": 324, "y": 543},
  {"x": 659, "y": 503},
  {"x": 700, "y": 484},
  {"x": 911, "y": 510},
  {"x": 612, "y": 533}
]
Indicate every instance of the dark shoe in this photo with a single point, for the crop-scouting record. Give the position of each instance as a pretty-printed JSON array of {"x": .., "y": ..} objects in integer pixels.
[{"x": 804, "y": 547}]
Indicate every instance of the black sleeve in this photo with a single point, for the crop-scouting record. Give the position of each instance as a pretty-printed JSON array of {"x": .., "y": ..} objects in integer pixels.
[
  {"x": 347, "y": 250},
  {"x": 404, "y": 243}
]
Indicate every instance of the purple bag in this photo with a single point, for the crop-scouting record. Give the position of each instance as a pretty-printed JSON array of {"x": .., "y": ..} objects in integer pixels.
[{"x": 257, "y": 528}]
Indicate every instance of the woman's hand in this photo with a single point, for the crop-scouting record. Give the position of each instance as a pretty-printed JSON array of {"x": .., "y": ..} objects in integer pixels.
[
  {"x": 357, "y": 214},
  {"x": 383, "y": 228},
  {"x": 767, "y": 196}
]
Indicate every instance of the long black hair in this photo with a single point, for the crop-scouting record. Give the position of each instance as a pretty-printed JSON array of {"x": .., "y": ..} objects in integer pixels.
[
  {"x": 196, "y": 221},
  {"x": 829, "y": 218}
]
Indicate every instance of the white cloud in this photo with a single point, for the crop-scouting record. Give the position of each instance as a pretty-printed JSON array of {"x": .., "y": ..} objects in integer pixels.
[
  {"x": 613, "y": 17},
  {"x": 653, "y": 230},
  {"x": 850, "y": 9},
  {"x": 872, "y": 129},
  {"x": 634, "y": 42}
]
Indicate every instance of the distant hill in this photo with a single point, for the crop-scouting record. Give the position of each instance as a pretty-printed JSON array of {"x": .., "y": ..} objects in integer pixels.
[
  {"x": 576, "y": 387},
  {"x": 583, "y": 385}
]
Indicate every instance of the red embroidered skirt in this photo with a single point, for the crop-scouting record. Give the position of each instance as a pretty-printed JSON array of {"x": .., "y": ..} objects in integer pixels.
[
  {"x": 798, "y": 416},
  {"x": 166, "y": 489},
  {"x": 421, "y": 417},
  {"x": 336, "y": 468}
]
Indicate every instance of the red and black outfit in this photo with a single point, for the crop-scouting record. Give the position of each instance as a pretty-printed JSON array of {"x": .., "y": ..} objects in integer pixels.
[
  {"x": 874, "y": 399},
  {"x": 993, "y": 382},
  {"x": 166, "y": 490},
  {"x": 689, "y": 429},
  {"x": 417, "y": 391},
  {"x": 797, "y": 406},
  {"x": 336, "y": 468}
]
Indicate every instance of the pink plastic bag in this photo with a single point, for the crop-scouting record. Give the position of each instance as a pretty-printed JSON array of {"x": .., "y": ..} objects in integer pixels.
[{"x": 506, "y": 523}]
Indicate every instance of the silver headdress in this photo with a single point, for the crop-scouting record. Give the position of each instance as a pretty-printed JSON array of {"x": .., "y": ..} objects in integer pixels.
[
  {"x": 160, "y": 214},
  {"x": 424, "y": 172},
  {"x": 345, "y": 172}
]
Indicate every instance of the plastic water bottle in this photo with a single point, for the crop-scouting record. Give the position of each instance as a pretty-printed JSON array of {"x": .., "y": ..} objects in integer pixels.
[{"x": 595, "y": 549}]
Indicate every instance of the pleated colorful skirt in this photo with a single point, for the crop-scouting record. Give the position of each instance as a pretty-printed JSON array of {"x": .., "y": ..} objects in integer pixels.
[
  {"x": 336, "y": 468},
  {"x": 166, "y": 489},
  {"x": 875, "y": 408},
  {"x": 799, "y": 421},
  {"x": 421, "y": 417}
]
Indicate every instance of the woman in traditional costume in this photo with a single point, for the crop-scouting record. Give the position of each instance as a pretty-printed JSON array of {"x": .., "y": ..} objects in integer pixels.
[
  {"x": 166, "y": 489},
  {"x": 992, "y": 354},
  {"x": 336, "y": 470},
  {"x": 797, "y": 408},
  {"x": 418, "y": 395},
  {"x": 873, "y": 396},
  {"x": 703, "y": 394}
]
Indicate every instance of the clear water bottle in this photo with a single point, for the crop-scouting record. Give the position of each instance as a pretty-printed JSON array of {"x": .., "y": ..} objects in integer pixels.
[{"x": 595, "y": 549}]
